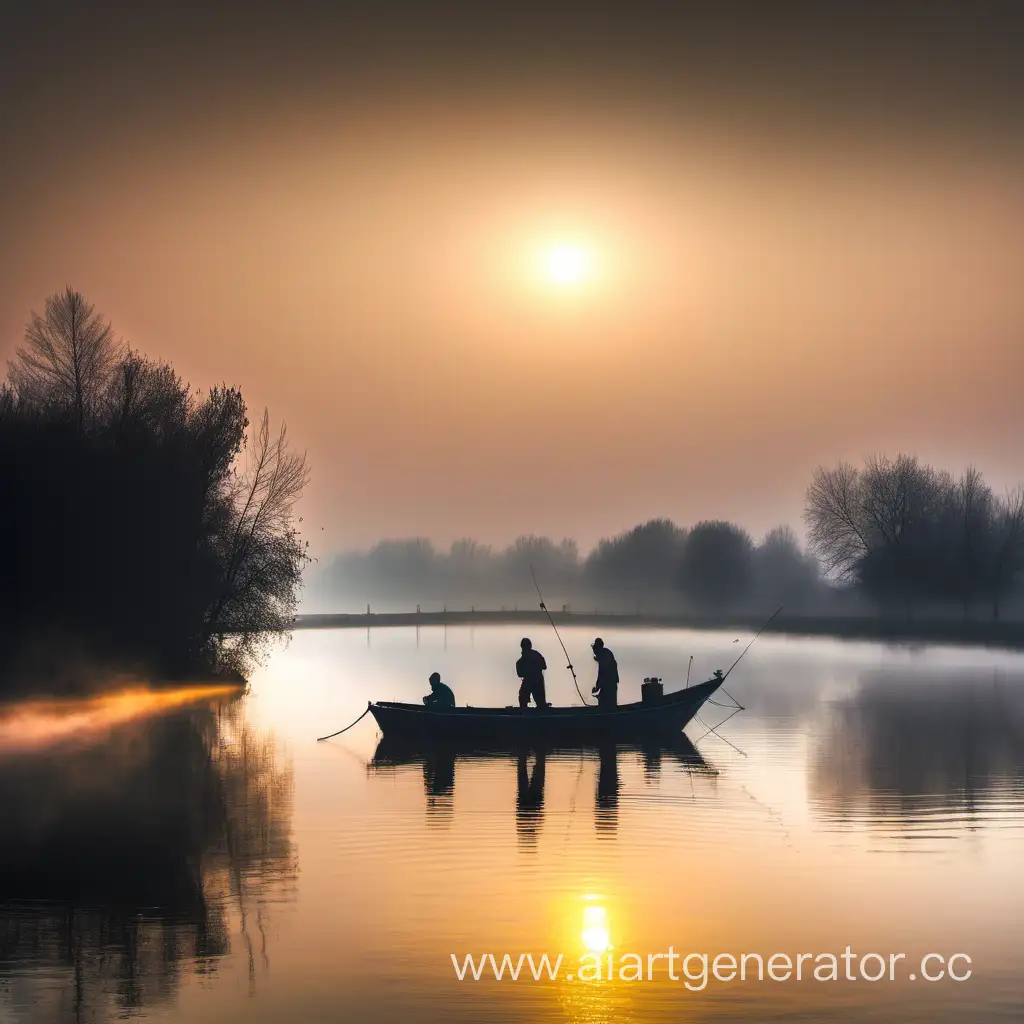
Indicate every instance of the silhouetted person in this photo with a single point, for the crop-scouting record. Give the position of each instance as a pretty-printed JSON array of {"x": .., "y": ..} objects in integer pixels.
[
  {"x": 607, "y": 686},
  {"x": 530, "y": 668},
  {"x": 440, "y": 695}
]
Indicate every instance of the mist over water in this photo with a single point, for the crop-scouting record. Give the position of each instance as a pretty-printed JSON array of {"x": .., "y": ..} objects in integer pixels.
[
  {"x": 222, "y": 865},
  {"x": 652, "y": 318}
]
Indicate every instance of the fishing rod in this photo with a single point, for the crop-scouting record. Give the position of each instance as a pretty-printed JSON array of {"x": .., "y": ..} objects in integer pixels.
[
  {"x": 544, "y": 608},
  {"x": 756, "y": 635},
  {"x": 708, "y": 729}
]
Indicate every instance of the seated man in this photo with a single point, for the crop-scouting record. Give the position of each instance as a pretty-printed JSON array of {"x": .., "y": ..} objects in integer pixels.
[{"x": 440, "y": 696}]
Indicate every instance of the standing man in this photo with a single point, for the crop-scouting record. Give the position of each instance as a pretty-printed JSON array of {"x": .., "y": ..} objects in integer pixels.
[
  {"x": 530, "y": 668},
  {"x": 607, "y": 685}
]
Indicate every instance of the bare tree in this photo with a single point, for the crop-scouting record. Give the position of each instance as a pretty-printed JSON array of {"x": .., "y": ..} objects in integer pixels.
[
  {"x": 468, "y": 562},
  {"x": 558, "y": 563},
  {"x": 67, "y": 361},
  {"x": 147, "y": 395},
  {"x": 1007, "y": 557},
  {"x": 898, "y": 497},
  {"x": 468, "y": 552},
  {"x": 972, "y": 512},
  {"x": 262, "y": 557},
  {"x": 834, "y": 516},
  {"x": 881, "y": 520}
]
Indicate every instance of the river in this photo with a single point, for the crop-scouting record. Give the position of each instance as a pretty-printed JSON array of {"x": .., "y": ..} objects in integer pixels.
[{"x": 222, "y": 866}]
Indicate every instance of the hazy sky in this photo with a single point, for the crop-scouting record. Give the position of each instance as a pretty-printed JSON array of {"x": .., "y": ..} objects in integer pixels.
[{"x": 805, "y": 235}]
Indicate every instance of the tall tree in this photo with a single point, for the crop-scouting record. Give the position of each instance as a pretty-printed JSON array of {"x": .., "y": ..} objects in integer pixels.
[
  {"x": 68, "y": 358},
  {"x": 1006, "y": 559},
  {"x": 262, "y": 555},
  {"x": 782, "y": 571},
  {"x": 557, "y": 563},
  {"x": 972, "y": 507},
  {"x": 715, "y": 569},
  {"x": 835, "y": 520},
  {"x": 642, "y": 560}
]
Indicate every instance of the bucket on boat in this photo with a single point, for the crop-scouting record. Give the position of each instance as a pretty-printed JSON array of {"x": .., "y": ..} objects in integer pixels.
[{"x": 652, "y": 690}]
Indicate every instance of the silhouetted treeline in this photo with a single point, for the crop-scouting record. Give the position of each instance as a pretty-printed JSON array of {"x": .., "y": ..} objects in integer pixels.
[
  {"x": 895, "y": 537},
  {"x": 910, "y": 536},
  {"x": 144, "y": 522},
  {"x": 713, "y": 565}
]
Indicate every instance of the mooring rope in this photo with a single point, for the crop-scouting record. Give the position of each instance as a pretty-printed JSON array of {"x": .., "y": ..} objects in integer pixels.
[{"x": 347, "y": 727}]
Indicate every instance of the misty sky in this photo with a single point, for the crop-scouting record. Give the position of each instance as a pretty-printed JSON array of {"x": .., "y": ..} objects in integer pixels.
[{"x": 806, "y": 235}]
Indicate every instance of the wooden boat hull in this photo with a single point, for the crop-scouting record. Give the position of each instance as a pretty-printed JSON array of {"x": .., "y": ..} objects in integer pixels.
[{"x": 514, "y": 725}]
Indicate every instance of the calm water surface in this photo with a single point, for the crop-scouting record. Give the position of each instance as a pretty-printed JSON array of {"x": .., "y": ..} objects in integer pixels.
[{"x": 225, "y": 867}]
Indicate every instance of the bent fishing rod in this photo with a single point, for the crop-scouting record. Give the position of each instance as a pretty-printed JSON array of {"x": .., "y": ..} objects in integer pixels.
[{"x": 544, "y": 608}]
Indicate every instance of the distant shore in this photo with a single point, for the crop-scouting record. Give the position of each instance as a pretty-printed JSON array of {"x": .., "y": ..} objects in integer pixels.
[{"x": 930, "y": 631}]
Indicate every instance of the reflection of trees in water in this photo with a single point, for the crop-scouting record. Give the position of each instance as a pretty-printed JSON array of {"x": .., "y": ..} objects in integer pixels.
[
  {"x": 905, "y": 742},
  {"x": 121, "y": 863}
]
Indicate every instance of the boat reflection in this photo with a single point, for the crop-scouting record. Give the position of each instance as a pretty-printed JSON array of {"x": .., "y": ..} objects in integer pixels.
[{"x": 530, "y": 765}]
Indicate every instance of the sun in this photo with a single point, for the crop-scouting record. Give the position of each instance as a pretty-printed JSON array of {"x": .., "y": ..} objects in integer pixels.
[{"x": 567, "y": 265}]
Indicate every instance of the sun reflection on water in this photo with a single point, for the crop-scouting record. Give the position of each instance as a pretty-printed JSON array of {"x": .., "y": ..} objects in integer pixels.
[
  {"x": 590, "y": 993},
  {"x": 596, "y": 937}
]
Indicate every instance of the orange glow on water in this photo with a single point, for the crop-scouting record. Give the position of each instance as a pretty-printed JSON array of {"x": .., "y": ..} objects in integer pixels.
[{"x": 35, "y": 724}]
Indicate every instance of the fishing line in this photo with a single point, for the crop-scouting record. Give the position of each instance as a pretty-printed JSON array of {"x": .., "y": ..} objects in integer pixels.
[
  {"x": 714, "y": 729},
  {"x": 544, "y": 608},
  {"x": 756, "y": 635},
  {"x": 744, "y": 651},
  {"x": 735, "y": 711},
  {"x": 572, "y": 803}
]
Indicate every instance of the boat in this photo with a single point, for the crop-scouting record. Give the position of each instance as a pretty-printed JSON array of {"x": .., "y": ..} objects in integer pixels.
[{"x": 663, "y": 715}]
